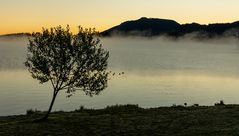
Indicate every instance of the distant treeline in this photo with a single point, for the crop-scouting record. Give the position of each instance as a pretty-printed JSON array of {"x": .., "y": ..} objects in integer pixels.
[{"x": 16, "y": 35}]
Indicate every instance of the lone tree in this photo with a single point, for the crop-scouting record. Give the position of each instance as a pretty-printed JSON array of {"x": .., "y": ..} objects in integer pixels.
[{"x": 69, "y": 62}]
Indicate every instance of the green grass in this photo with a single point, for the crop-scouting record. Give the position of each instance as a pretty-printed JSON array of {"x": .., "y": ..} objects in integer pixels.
[{"x": 128, "y": 120}]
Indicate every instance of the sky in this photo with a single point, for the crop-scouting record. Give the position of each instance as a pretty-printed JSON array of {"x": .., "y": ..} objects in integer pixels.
[{"x": 32, "y": 15}]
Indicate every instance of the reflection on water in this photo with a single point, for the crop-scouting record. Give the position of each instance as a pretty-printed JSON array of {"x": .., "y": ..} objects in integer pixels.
[{"x": 157, "y": 73}]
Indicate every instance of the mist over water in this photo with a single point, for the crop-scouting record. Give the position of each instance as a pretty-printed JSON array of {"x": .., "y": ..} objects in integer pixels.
[
  {"x": 161, "y": 55},
  {"x": 12, "y": 53},
  {"x": 158, "y": 72}
]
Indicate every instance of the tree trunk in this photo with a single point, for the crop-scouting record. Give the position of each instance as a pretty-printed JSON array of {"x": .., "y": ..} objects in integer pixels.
[{"x": 50, "y": 108}]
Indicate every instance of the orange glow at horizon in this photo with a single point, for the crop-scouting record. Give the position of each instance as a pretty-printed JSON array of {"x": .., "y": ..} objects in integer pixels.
[
  {"x": 31, "y": 16},
  {"x": 20, "y": 29}
]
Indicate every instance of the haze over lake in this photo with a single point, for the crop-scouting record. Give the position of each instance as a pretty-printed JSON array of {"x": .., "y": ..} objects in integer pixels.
[{"x": 158, "y": 72}]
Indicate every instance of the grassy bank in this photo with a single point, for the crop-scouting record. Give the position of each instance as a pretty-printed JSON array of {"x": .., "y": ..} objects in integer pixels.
[{"x": 128, "y": 120}]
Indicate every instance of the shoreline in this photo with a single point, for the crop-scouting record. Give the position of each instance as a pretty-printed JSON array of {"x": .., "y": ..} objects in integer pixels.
[
  {"x": 120, "y": 105},
  {"x": 130, "y": 120}
]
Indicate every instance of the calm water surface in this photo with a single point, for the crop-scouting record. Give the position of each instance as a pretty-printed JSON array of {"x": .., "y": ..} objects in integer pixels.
[{"x": 158, "y": 72}]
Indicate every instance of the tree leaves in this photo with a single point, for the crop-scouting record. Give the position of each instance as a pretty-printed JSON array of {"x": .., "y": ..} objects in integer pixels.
[{"x": 70, "y": 62}]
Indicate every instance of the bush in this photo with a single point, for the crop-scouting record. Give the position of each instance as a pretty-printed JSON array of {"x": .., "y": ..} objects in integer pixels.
[
  {"x": 221, "y": 103},
  {"x": 122, "y": 108},
  {"x": 31, "y": 111}
]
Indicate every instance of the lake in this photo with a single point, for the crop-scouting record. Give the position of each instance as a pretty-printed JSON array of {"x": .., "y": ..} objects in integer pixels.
[{"x": 158, "y": 72}]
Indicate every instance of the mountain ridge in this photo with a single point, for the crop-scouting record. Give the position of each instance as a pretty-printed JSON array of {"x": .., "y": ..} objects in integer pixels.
[{"x": 155, "y": 27}]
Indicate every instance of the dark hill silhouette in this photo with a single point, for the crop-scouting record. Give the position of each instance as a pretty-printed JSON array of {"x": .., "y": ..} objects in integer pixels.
[
  {"x": 15, "y": 35},
  {"x": 153, "y": 27},
  {"x": 144, "y": 26}
]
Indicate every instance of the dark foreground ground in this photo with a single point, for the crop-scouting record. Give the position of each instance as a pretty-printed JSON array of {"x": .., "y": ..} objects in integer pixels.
[{"x": 128, "y": 120}]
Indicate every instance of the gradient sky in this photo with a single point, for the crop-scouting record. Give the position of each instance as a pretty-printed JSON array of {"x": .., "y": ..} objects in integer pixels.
[{"x": 32, "y": 15}]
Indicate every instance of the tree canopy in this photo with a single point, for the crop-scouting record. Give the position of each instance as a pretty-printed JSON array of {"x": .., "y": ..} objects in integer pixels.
[{"x": 68, "y": 61}]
